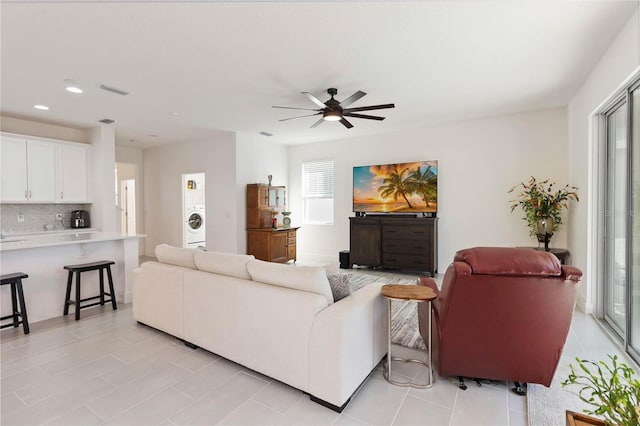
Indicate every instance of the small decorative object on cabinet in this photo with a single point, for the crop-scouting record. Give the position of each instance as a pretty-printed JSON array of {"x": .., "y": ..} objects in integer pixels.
[
  {"x": 265, "y": 240},
  {"x": 542, "y": 205},
  {"x": 286, "y": 220}
]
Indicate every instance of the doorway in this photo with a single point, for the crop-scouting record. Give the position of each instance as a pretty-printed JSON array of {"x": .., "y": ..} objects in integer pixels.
[{"x": 194, "y": 216}]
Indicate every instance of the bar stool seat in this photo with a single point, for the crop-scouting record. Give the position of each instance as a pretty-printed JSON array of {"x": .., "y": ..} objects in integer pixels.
[
  {"x": 18, "y": 317},
  {"x": 100, "y": 266}
]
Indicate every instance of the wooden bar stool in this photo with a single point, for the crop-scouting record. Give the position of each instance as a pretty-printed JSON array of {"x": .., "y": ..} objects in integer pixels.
[
  {"x": 19, "y": 317},
  {"x": 85, "y": 267}
]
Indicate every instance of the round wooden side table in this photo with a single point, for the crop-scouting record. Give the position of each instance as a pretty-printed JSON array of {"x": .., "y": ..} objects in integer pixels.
[{"x": 416, "y": 293}]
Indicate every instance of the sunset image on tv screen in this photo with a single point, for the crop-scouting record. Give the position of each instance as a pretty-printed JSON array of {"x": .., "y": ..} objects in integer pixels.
[{"x": 396, "y": 188}]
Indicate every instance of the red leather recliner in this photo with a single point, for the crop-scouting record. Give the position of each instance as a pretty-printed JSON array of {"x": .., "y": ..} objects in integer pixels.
[{"x": 502, "y": 314}]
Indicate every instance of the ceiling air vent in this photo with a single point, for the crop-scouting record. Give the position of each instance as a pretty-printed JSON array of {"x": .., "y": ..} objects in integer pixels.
[
  {"x": 107, "y": 121},
  {"x": 114, "y": 90},
  {"x": 266, "y": 134}
]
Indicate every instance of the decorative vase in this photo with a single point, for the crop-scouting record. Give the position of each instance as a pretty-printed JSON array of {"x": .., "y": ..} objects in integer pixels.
[{"x": 544, "y": 230}]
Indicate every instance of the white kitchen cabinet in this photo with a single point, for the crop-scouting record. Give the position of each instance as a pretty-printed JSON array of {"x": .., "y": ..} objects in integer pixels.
[
  {"x": 28, "y": 171},
  {"x": 72, "y": 185},
  {"x": 42, "y": 170},
  {"x": 13, "y": 159}
]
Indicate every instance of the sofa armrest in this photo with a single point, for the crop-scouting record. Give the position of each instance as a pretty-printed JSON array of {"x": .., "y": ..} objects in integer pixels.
[
  {"x": 571, "y": 273},
  {"x": 348, "y": 340}
]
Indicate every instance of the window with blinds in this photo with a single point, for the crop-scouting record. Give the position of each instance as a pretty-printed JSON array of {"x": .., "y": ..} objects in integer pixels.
[{"x": 317, "y": 192}]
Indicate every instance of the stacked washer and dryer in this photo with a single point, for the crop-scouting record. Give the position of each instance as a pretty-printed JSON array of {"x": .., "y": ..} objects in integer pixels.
[
  {"x": 196, "y": 235},
  {"x": 194, "y": 211}
]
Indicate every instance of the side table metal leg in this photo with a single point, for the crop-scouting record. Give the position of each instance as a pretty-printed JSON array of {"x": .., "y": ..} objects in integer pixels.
[
  {"x": 389, "y": 358},
  {"x": 430, "y": 348}
]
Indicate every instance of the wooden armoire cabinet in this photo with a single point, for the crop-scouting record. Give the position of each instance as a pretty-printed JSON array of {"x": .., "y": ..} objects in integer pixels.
[
  {"x": 263, "y": 240},
  {"x": 272, "y": 245}
]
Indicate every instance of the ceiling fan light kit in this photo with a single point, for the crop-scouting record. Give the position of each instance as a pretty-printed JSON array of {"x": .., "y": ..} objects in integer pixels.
[{"x": 334, "y": 110}]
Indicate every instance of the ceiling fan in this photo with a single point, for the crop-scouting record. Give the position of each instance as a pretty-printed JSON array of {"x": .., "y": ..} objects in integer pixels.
[{"x": 334, "y": 110}]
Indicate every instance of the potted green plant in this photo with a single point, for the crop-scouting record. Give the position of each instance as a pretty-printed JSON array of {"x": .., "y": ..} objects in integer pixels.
[
  {"x": 611, "y": 389},
  {"x": 542, "y": 205}
]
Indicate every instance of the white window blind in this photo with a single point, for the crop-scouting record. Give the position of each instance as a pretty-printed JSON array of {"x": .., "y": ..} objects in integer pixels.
[{"x": 317, "y": 192}]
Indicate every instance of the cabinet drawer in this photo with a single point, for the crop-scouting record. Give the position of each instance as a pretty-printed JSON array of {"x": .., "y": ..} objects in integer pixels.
[
  {"x": 420, "y": 248},
  {"x": 291, "y": 237},
  {"x": 406, "y": 261},
  {"x": 406, "y": 232},
  {"x": 291, "y": 252}
]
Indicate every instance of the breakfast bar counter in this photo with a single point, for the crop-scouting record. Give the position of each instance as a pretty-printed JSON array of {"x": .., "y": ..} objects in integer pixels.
[{"x": 43, "y": 256}]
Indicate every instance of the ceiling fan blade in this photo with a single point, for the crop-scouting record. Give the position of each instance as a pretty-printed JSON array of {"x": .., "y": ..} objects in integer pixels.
[
  {"x": 305, "y": 109},
  {"x": 369, "y": 108},
  {"x": 351, "y": 99},
  {"x": 314, "y": 99},
  {"x": 317, "y": 123},
  {"x": 345, "y": 123},
  {"x": 300, "y": 116},
  {"x": 370, "y": 117}
]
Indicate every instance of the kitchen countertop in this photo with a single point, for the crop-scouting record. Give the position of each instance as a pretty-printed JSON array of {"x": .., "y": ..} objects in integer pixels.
[{"x": 59, "y": 238}]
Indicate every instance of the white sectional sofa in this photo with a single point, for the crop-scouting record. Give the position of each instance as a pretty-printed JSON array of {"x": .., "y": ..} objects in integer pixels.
[{"x": 279, "y": 320}]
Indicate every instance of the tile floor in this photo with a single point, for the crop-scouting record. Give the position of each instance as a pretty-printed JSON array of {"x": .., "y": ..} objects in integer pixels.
[{"x": 107, "y": 369}]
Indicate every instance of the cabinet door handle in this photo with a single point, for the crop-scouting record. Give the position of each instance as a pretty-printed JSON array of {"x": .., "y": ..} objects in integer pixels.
[
  {"x": 26, "y": 195},
  {"x": 61, "y": 195},
  {"x": 29, "y": 194}
]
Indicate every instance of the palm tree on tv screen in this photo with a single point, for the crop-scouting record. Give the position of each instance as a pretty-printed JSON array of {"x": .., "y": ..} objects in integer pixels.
[
  {"x": 424, "y": 183},
  {"x": 396, "y": 185}
]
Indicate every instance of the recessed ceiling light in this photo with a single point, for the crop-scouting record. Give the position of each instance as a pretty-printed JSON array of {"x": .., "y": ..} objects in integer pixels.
[
  {"x": 174, "y": 114},
  {"x": 152, "y": 135},
  {"x": 41, "y": 107},
  {"x": 73, "y": 89}
]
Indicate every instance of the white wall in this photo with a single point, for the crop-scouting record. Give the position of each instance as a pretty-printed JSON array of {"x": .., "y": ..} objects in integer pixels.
[
  {"x": 33, "y": 128},
  {"x": 257, "y": 159},
  {"x": 163, "y": 169},
  {"x": 479, "y": 161},
  {"x": 622, "y": 57}
]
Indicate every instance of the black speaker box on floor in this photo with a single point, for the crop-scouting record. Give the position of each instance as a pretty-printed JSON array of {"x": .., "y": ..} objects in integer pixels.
[{"x": 344, "y": 259}]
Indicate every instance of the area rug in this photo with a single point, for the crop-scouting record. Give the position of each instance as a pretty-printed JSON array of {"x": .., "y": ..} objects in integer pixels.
[
  {"x": 547, "y": 406},
  {"x": 404, "y": 314}
]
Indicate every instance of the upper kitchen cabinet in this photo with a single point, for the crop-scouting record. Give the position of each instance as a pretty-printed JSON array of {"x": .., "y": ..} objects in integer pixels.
[
  {"x": 28, "y": 171},
  {"x": 71, "y": 164},
  {"x": 42, "y": 171}
]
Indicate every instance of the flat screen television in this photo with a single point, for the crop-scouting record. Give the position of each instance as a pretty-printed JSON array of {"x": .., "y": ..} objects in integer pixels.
[{"x": 396, "y": 188}]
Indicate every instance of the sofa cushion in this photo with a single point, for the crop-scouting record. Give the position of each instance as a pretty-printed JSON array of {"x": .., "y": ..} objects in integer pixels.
[
  {"x": 340, "y": 284},
  {"x": 509, "y": 261},
  {"x": 305, "y": 278},
  {"x": 176, "y": 255},
  {"x": 229, "y": 264}
]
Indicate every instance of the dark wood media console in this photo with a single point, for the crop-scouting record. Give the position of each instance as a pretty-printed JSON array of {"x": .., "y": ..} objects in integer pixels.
[{"x": 394, "y": 242}]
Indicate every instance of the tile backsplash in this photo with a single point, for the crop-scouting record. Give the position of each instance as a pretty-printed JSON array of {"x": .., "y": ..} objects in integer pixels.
[{"x": 36, "y": 216}]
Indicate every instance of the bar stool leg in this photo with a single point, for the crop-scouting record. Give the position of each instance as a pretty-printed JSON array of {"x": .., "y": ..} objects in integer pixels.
[
  {"x": 68, "y": 294},
  {"x": 14, "y": 305},
  {"x": 101, "y": 286},
  {"x": 23, "y": 308},
  {"x": 113, "y": 293},
  {"x": 77, "y": 296}
]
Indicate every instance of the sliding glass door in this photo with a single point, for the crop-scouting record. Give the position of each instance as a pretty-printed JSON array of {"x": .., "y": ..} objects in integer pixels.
[
  {"x": 634, "y": 223},
  {"x": 616, "y": 218},
  {"x": 621, "y": 257}
]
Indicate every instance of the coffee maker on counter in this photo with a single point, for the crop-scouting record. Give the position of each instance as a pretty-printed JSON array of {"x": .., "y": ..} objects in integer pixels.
[{"x": 80, "y": 219}]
